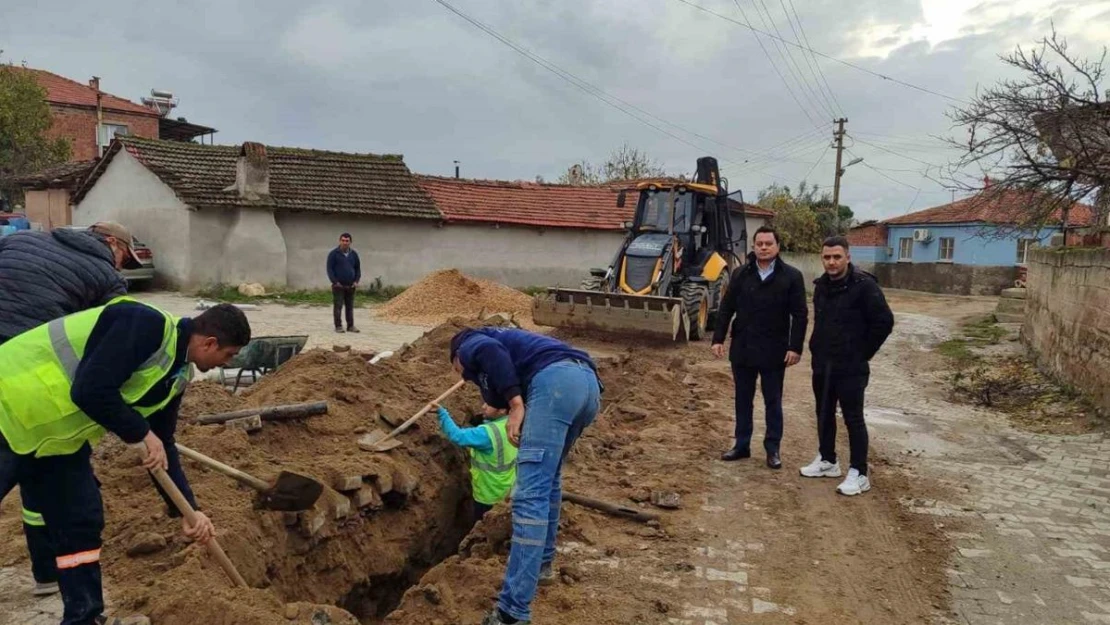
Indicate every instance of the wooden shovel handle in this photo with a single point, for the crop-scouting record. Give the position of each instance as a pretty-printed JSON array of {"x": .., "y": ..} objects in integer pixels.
[
  {"x": 423, "y": 411},
  {"x": 190, "y": 515},
  {"x": 219, "y": 467}
]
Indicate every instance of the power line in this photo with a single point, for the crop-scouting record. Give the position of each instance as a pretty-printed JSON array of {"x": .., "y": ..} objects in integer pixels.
[
  {"x": 818, "y": 162},
  {"x": 816, "y": 63},
  {"x": 908, "y": 158},
  {"x": 877, "y": 171},
  {"x": 589, "y": 88},
  {"x": 826, "y": 56},
  {"x": 784, "y": 52},
  {"x": 775, "y": 67}
]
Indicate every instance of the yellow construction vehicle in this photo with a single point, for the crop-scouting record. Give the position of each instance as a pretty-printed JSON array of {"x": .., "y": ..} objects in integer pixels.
[{"x": 670, "y": 274}]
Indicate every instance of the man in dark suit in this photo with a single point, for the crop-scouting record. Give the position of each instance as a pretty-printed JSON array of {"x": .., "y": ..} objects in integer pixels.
[{"x": 765, "y": 306}]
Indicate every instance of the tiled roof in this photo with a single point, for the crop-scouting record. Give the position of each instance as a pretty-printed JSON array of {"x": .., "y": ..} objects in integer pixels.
[
  {"x": 528, "y": 203},
  {"x": 64, "y": 175},
  {"x": 753, "y": 210},
  {"x": 536, "y": 204},
  {"x": 300, "y": 180},
  {"x": 63, "y": 91},
  {"x": 990, "y": 207}
]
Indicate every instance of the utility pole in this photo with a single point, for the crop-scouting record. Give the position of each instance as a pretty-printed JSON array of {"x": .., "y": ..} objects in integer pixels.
[{"x": 838, "y": 135}]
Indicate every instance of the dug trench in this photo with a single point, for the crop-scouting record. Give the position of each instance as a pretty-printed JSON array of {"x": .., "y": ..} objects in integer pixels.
[{"x": 400, "y": 551}]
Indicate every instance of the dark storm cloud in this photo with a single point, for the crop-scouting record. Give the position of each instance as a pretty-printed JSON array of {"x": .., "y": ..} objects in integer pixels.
[{"x": 407, "y": 76}]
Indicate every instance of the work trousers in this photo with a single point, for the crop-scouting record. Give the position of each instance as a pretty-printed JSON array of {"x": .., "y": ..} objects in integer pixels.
[
  {"x": 480, "y": 510},
  {"x": 563, "y": 400},
  {"x": 771, "y": 382},
  {"x": 830, "y": 389},
  {"x": 343, "y": 297},
  {"x": 68, "y": 494},
  {"x": 34, "y": 527}
]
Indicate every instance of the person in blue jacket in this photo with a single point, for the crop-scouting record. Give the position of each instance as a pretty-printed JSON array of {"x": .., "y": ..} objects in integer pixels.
[
  {"x": 552, "y": 393},
  {"x": 492, "y": 457},
  {"x": 344, "y": 273}
]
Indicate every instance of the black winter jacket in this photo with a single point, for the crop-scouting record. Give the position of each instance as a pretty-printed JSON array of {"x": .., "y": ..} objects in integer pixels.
[
  {"x": 46, "y": 275},
  {"x": 767, "y": 318},
  {"x": 851, "y": 321}
]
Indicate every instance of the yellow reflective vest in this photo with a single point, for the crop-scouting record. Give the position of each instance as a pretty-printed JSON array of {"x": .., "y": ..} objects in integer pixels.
[
  {"x": 493, "y": 473},
  {"x": 37, "y": 368}
]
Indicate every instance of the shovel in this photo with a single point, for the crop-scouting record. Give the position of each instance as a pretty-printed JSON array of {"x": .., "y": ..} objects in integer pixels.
[
  {"x": 290, "y": 493},
  {"x": 375, "y": 441}
]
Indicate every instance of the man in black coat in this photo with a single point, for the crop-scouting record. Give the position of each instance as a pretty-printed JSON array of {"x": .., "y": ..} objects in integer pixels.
[
  {"x": 765, "y": 305},
  {"x": 44, "y": 276},
  {"x": 344, "y": 272},
  {"x": 851, "y": 321}
]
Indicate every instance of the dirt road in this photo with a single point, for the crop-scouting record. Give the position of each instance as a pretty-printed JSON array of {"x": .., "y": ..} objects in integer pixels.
[{"x": 969, "y": 521}]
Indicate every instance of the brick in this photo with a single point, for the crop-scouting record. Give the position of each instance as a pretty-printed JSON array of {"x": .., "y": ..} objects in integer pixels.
[
  {"x": 367, "y": 496},
  {"x": 344, "y": 483}
]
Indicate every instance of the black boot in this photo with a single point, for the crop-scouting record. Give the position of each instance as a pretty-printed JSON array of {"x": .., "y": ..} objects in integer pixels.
[{"x": 736, "y": 453}]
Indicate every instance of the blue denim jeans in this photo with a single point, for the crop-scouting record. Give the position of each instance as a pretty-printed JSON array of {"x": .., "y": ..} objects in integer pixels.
[{"x": 562, "y": 401}]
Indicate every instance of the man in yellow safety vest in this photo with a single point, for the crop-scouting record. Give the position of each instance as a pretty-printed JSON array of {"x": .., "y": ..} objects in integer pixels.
[
  {"x": 119, "y": 368},
  {"x": 492, "y": 457}
]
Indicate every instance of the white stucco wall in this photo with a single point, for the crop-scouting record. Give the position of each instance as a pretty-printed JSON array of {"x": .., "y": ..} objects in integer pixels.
[
  {"x": 130, "y": 194},
  {"x": 403, "y": 251}
]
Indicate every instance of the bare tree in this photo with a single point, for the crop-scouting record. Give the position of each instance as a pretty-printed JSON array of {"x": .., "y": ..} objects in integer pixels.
[
  {"x": 624, "y": 163},
  {"x": 1039, "y": 143}
]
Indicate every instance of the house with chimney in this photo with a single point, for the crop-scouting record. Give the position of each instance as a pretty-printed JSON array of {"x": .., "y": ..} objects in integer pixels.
[
  {"x": 89, "y": 119},
  {"x": 218, "y": 214}
]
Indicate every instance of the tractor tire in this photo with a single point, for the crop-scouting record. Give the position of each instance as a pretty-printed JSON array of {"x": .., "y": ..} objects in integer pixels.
[
  {"x": 716, "y": 296},
  {"x": 591, "y": 283},
  {"x": 695, "y": 299}
]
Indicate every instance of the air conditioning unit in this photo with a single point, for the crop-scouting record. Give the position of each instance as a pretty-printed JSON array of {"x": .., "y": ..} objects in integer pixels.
[{"x": 922, "y": 234}]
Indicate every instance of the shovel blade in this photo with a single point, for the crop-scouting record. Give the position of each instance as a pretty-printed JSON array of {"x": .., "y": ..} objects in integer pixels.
[
  {"x": 373, "y": 442},
  {"x": 291, "y": 492}
]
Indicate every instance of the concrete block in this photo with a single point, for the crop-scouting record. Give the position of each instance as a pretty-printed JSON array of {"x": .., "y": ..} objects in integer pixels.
[
  {"x": 339, "y": 506},
  {"x": 1007, "y": 305},
  {"x": 312, "y": 521},
  {"x": 366, "y": 497},
  {"x": 1009, "y": 317},
  {"x": 1014, "y": 293},
  {"x": 345, "y": 483}
]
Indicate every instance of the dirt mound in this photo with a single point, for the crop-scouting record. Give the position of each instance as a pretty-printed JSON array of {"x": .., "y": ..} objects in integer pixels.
[{"x": 448, "y": 293}]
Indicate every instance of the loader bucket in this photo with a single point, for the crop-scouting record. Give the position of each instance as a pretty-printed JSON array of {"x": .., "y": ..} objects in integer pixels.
[{"x": 611, "y": 312}]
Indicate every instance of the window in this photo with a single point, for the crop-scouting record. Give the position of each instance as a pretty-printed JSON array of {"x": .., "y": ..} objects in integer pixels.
[
  {"x": 109, "y": 132},
  {"x": 905, "y": 248},
  {"x": 1024, "y": 245},
  {"x": 947, "y": 246}
]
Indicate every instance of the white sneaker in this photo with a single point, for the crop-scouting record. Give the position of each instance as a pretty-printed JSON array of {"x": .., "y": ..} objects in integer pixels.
[
  {"x": 820, "y": 468},
  {"x": 854, "y": 484}
]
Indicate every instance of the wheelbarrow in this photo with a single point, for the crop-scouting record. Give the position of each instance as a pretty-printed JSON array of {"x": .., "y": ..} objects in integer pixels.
[{"x": 263, "y": 355}]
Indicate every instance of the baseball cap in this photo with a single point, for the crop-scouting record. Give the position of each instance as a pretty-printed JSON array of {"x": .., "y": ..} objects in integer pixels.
[{"x": 123, "y": 235}]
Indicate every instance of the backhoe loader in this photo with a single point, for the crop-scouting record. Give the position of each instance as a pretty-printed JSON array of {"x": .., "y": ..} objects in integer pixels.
[{"x": 671, "y": 271}]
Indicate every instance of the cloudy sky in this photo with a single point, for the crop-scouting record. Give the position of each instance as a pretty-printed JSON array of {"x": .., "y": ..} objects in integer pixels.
[{"x": 412, "y": 77}]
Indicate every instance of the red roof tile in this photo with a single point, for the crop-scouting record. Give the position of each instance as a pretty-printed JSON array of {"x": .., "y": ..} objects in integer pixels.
[
  {"x": 528, "y": 203},
  {"x": 300, "y": 180},
  {"x": 990, "y": 207},
  {"x": 63, "y": 91},
  {"x": 536, "y": 204}
]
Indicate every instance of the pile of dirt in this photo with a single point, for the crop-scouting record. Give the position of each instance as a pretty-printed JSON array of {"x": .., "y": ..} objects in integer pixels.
[
  {"x": 448, "y": 293},
  {"x": 298, "y": 566}
]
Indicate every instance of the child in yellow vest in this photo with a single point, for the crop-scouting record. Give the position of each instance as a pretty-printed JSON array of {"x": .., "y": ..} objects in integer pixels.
[{"x": 492, "y": 456}]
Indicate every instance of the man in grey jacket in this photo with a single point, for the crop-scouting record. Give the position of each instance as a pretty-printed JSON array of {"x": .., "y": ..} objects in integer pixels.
[{"x": 44, "y": 276}]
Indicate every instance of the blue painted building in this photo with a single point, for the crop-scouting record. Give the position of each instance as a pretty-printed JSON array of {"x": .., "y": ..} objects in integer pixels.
[{"x": 973, "y": 231}]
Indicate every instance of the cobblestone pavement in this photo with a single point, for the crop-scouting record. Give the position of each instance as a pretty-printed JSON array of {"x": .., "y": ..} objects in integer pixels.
[{"x": 1027, "y": 512}]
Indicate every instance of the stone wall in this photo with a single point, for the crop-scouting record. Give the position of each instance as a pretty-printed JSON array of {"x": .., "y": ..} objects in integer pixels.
[
  {"x": 946, "y": 278},
  {"x": 1067, "y": 317}
]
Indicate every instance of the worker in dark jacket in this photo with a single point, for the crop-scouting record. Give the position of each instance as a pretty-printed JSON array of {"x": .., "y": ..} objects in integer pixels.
[
  {"x": 43, "y": 276},
  {"x": 765, "y": 306},
  {"x": 46, "y": 275},
  {"x": 552, "y": 393},
  {"x": 344, "y": 273},
  {"x": 119, "y": 368},
  {"x": 851, "y": 321}
]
